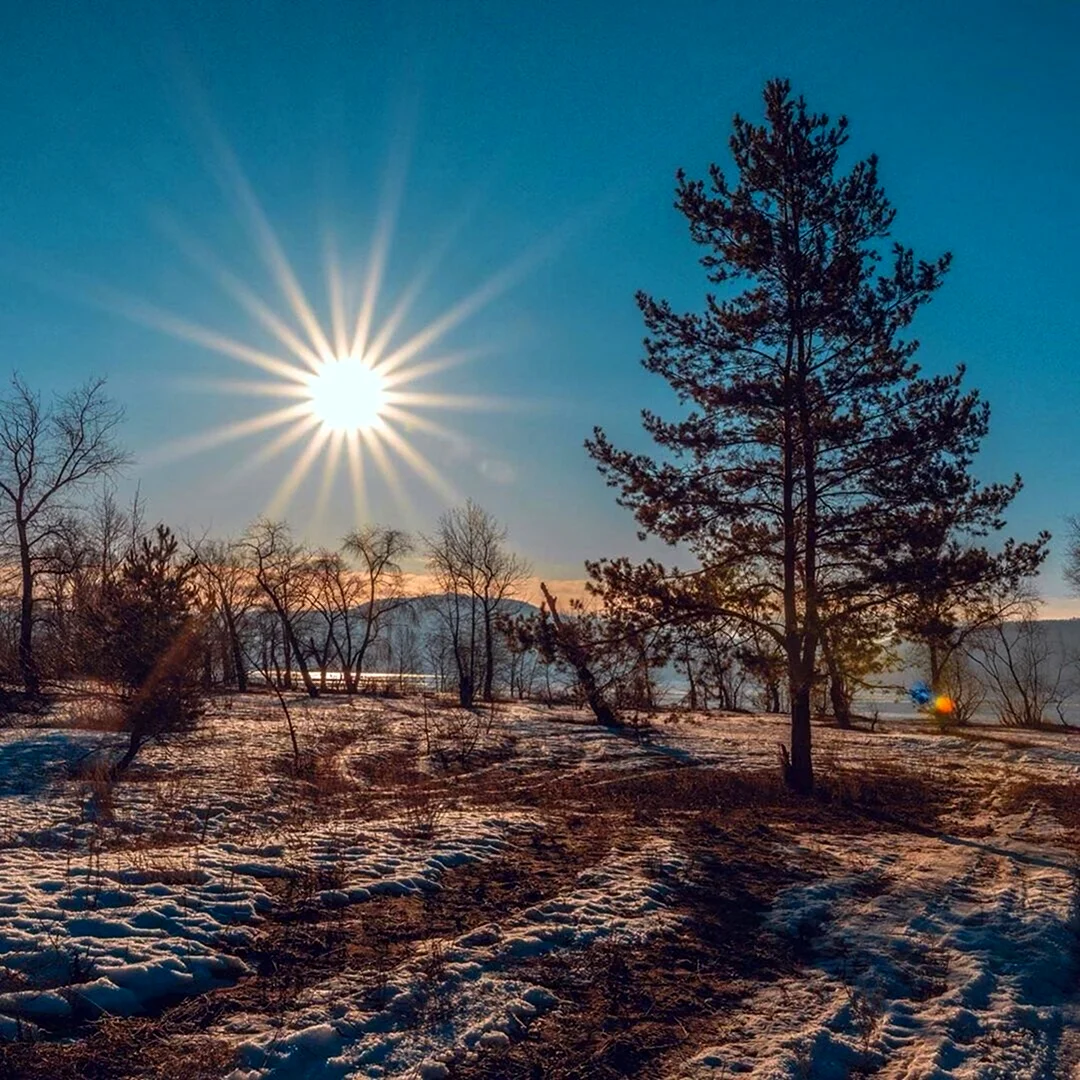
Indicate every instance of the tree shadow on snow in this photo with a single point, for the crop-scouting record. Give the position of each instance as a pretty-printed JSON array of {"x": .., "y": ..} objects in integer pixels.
[{"x": 29, "y": 766}]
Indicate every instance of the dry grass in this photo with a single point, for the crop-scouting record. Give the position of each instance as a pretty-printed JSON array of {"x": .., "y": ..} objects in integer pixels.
[
  {"x": 119, "y": 1049},
  {"x": 630, "y": 1007},
  {"x": 95, "y": 712},
  {"x": 1061, "y": 801}
]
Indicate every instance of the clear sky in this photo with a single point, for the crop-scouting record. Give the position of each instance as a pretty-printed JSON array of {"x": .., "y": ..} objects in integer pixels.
[{"x": 541, "y": 137}]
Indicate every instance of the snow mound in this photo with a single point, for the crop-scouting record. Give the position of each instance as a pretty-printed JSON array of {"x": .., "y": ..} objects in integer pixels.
[{"x": 455, "y": 996}]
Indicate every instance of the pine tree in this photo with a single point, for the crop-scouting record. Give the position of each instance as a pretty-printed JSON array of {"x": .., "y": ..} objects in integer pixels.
[
  {"x": 151, "y": 642},
  {"x": 814, "y": 450}
]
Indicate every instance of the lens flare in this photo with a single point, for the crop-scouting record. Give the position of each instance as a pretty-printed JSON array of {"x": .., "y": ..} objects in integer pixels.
[
  {"x": 921, "y": 694},
  {"x": 944, "y": 705}
]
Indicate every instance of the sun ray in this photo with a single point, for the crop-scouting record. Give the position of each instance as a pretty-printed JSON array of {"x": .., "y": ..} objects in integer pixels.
[
  {"x": 139, "y": 311},
  {"x": 236, "y": 184},
  {"x": 372, "y": 284},
  {"x": 206, "y": 440},
  {"x": 257, "y": 387},
  {"x": 421, "y": 370},
  {"x": 295, "y": 476},
  {"x": 393, "y": 187},
  {"x": 420, "y": 464},
  {"x": 437, "y": 400},
  {"x": 336, "y": 288},
  {"x": 245, "y": 296},
  {"x": 330, "y": 464},
  {"x": 497, "y": 284},
  {"x": 278, "y": 445},
  {"x": 356, "y": 473},
  {"x": 419, "y": 423},
  {"x": 373, "y": 444},
  {"x": 414, "y": 289}
]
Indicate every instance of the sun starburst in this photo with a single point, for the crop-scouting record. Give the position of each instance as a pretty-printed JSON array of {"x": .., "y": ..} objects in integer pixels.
[{"x": 353, "y": 389}]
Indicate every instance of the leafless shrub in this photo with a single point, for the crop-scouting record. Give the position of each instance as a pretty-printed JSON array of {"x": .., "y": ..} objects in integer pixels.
[
  {"x": 118, "y": 1047},
  {"x": 607, "y": 968},
  {"x": 885, "y": 790},
  {"x": 867, "y": 1005},
  {"x": 436, "y": 1003},
  {"x": 422, "y": 806},
  {"x": 458, "y": 734},
  {"x": 96, "y": 778},
  {"x": 96, "y": 712},
  {"x": 961, "y": 682},
  {"x": 390, "y": 768},
  {"x": 1026, "y": 680},
  {"x": 167, "y": 865}
]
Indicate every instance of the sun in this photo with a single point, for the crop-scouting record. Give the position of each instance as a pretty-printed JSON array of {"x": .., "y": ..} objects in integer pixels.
[
  {"x": 349, "y": 373},
  {"x": 347, "y": 395}
]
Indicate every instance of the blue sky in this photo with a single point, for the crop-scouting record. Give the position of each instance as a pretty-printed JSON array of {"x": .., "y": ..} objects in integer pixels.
[{"x": 550, "y": 130}]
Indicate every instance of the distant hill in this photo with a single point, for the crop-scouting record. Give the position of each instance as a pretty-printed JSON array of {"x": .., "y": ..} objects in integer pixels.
[{"x": 1063, "y": 636}]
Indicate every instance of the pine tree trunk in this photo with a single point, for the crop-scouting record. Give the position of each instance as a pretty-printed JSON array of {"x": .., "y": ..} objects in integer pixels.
[
  {"x": 838, "y": 696},
  {"x": 935, "y": 665},
  {"x": 800, "y": 775},
  {"x": 133, "y": 747}
]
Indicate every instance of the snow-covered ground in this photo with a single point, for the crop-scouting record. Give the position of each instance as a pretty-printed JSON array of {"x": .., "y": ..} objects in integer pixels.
[{"x": 948, "y": 950}]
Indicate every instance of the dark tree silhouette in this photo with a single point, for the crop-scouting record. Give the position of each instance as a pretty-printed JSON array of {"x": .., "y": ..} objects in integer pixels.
[
  {"x": 283, "y": 573},
  {"x": 228, "y": 586},
  {"x": 379, "y": 590},
  {"x": 813, "y": 451},
  {"x": 576, "y": 642},
  {"x": 956, "y": 590},
  {"x": 475, "y": 573},
  {"x": 151, "y": 642},
  {"x": 1072, "y": 556},
  {"x": 47, "y": 452}
]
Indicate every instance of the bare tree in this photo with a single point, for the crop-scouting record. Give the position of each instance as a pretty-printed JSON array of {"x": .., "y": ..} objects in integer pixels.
[
  {"x": 377, "y": 586},
  {"x": 282, "y": 571},
  {"x": 1024, "y": 676},
  {"x": 499, "y": 574},
  {"x": 475, "y": 574},
  {"x": 229, "y": 586},
  {"x": 961, "y": 681},
  {"x": 47, "y": 453},
  {"x": 451, "y": 569},
  {"x": 1072, "y": 556}
]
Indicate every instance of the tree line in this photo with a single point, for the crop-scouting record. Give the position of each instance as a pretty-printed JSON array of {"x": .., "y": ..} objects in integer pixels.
[{"x": 268, "y": 606}]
